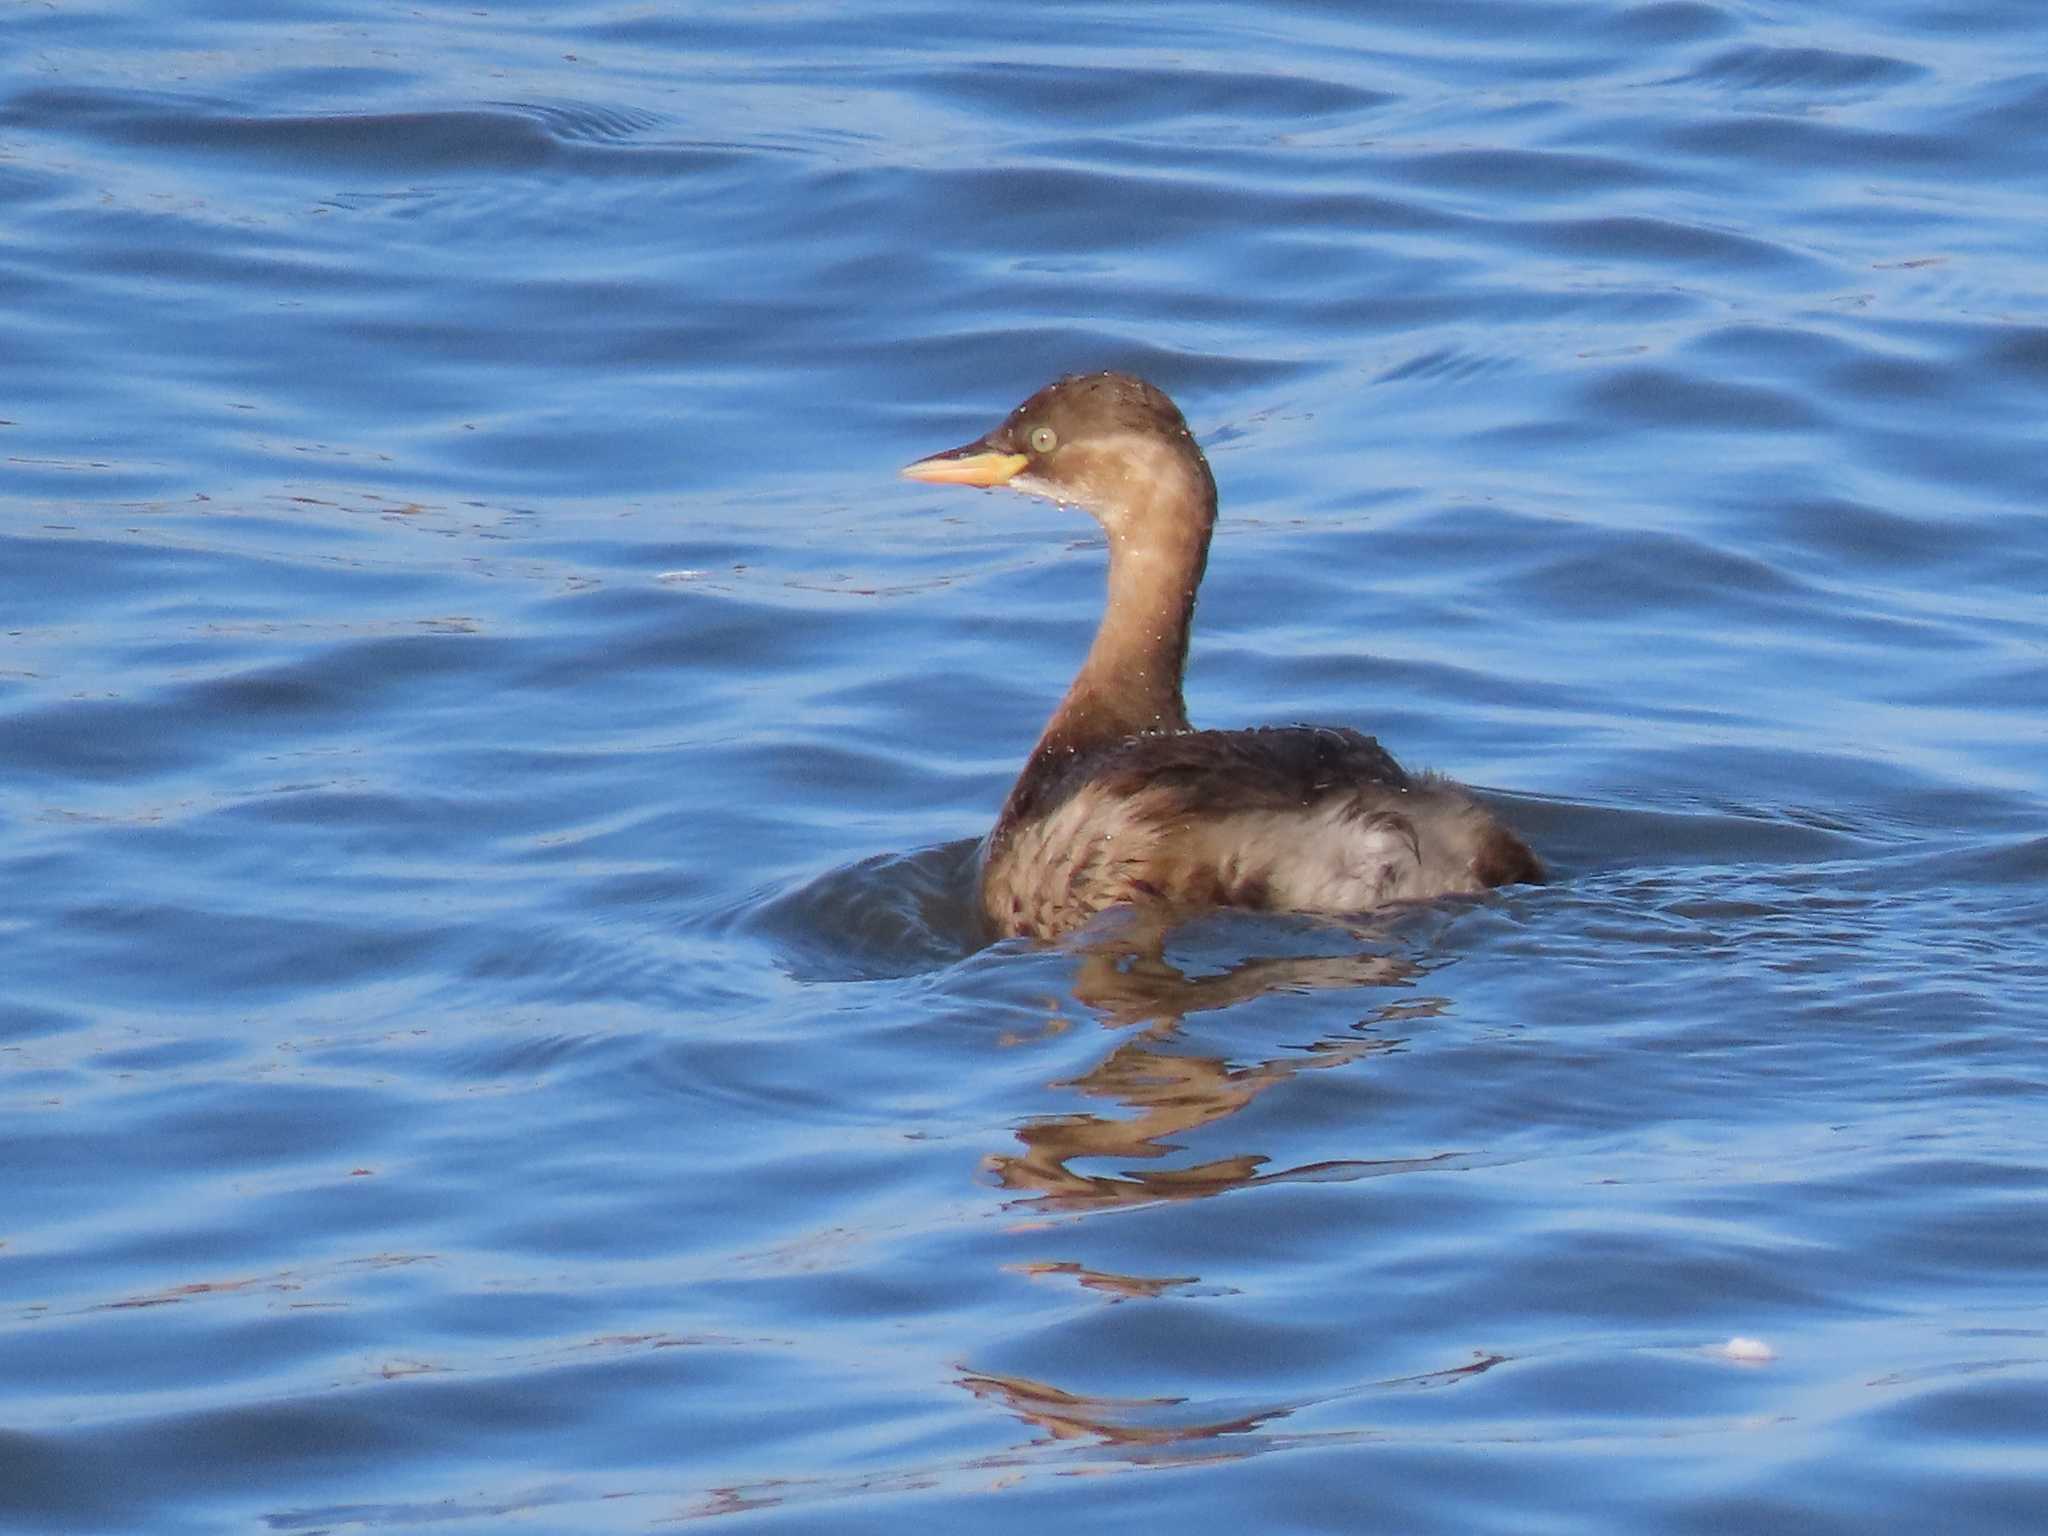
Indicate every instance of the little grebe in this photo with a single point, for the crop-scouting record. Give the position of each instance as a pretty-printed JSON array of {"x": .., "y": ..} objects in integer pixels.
[{"x": 1121, "y": 801}]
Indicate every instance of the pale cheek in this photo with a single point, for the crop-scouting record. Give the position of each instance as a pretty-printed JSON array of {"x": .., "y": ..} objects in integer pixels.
[{"x": 1031, "y": 485}]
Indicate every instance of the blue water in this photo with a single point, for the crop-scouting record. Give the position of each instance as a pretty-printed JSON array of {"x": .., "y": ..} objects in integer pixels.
[{"x": 493, "y": 1035}]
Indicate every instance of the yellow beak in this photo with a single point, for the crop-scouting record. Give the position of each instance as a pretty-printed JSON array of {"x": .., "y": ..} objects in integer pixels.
[{"x": 976, "y": 464}]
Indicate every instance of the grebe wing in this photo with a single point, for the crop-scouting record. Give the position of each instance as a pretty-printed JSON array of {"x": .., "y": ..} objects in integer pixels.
[{"x": 1300, "y": 818}]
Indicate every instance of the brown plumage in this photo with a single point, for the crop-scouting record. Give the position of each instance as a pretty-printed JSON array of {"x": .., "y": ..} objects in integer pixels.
[{"x": 1121, "y": 801}]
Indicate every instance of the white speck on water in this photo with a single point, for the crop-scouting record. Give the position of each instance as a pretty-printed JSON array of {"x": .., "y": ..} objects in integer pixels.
[{"x": 1746, "y": 1351}]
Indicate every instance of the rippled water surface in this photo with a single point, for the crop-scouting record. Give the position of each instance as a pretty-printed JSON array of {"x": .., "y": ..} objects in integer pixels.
[{"x": 492, "y": 1032}]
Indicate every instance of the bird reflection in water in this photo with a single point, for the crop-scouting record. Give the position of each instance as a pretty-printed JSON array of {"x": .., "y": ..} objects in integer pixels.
[
  {"x": 1126, "y": 979},
  {"x": 1156, "y": 1100},
  {"x": 1157, "y": 1428}
]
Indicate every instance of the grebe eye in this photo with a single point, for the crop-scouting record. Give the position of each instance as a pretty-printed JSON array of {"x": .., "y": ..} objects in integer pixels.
[{"x": 1044, "y": 439}]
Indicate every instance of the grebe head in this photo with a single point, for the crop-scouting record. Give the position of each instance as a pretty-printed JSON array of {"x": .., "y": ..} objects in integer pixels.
[{"x": 1108, "y": 443}]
